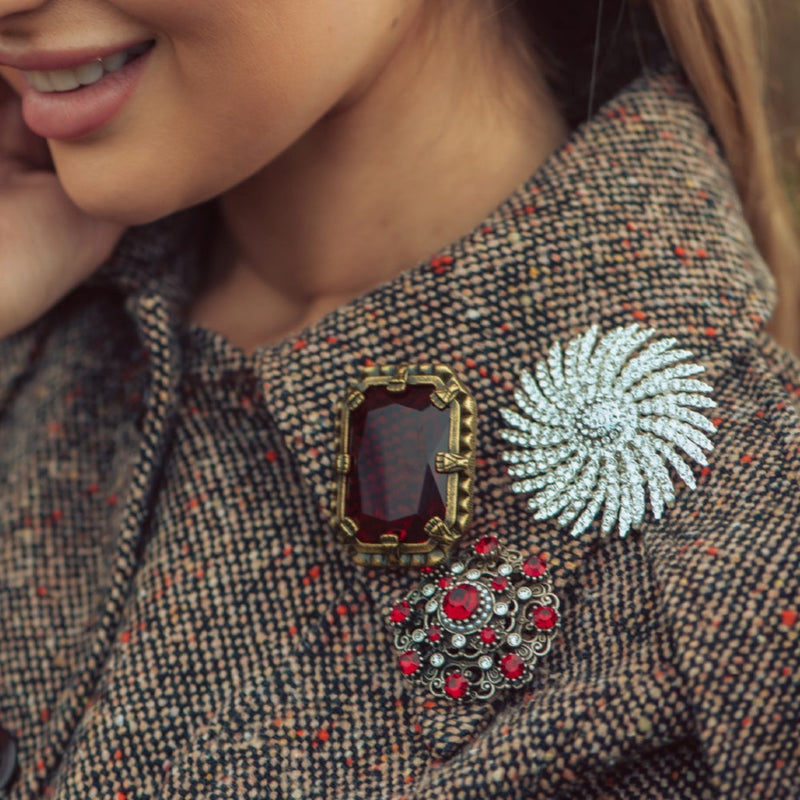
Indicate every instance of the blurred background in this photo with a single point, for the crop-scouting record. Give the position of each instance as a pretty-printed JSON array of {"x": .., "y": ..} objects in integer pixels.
[{"x": 783, "y": 50}]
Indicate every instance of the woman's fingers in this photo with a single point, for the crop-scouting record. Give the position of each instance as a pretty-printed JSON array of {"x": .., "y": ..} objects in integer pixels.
[{"x": 47, "y": 244}]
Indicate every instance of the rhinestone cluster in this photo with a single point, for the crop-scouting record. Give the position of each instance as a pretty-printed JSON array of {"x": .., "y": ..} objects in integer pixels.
[
  {"x": 478, "y": 624},
  {"x": 600, "y": 422}
]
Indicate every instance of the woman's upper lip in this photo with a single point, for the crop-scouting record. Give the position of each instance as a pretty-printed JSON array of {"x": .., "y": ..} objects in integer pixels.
[{"x": 45, "y": 60}]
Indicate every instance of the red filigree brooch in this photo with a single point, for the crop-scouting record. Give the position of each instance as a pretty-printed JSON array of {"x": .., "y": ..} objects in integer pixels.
[{"x": 478, "y": 624}]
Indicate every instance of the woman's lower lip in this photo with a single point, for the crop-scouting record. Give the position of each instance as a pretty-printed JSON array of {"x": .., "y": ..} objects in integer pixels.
[{"x": 70, "y": 115}]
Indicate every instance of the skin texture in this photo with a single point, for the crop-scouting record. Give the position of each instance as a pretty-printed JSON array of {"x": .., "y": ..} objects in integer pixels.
[{"x": 344, "y": 140}]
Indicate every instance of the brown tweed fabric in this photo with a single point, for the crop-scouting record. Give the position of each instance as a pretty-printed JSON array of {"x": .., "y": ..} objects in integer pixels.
[{"x": 178, "y": 621}]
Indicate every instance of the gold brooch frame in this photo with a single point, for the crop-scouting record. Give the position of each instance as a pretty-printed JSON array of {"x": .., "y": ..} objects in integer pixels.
[{"x": 458, "y": 463}]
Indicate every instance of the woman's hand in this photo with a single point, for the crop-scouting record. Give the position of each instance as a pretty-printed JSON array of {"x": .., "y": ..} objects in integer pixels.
[{"x": 47, "y": 244}]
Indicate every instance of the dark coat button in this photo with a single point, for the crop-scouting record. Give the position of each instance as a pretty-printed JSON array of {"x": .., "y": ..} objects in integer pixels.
[{"x": 8, "y": 758}]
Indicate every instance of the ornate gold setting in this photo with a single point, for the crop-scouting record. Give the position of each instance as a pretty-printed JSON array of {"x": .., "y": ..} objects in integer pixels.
[{"x": 457, "y": 463}]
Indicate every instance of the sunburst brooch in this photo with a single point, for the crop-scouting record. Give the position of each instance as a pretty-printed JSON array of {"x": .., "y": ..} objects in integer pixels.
[{"x": 598, "y": 424}]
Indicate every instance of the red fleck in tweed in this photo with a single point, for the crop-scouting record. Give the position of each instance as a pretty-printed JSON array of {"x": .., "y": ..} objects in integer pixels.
[{"x": 178, "y": 621}]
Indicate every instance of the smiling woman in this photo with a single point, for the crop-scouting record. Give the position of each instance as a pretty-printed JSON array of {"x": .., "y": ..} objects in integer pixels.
[{"x": 388, "y": 406}]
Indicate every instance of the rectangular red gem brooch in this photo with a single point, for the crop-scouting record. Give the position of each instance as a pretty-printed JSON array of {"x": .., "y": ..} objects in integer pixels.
[{"x": 405, "y": 465}]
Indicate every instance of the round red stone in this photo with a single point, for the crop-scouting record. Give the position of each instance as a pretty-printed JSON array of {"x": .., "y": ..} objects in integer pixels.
[
  {"x": 400, "y": 612},
  {"x": 500, "y": 584},
  {"x": 456, "y": 685},
  {"x": 545, "y": 617},
  {"x": 488, "y": 636},
  {"x": 409, "y": 662},
  {"x": 512, "y": 666},
  {"x": 534, "y": 567},
  {"x": 486, "y": 545},
  {"x": 461, "y": 602},
  {"x": 444, "y": 582},
  {"x": 434, "y": 633}
]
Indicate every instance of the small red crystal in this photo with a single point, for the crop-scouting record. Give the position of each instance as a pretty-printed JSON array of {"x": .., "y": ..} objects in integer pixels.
[
  {"x": 444, "y": 582},
  {"x": 461, "y": 602},
  {"x": 409, "y": 662},
  {"x": 456, "y": 685},
  {"x": 400, "y": 612},
  {"x": 534, "y": 567},
  {"x": 488, "y": 636},
  {"x": 434, "y": 633},
  {"x": 512, "y": 666},
  {"x": 500, "y": 584},
  {"x": 486, "y": 545},
  {"x": 545, "y": 617}
]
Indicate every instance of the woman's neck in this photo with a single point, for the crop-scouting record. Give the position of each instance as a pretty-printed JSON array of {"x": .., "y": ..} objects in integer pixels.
[{"x": 414, "y": 158}]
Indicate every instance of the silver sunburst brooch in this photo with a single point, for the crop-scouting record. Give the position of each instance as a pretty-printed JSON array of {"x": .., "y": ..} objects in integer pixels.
[{"x": 599, "y": 423}]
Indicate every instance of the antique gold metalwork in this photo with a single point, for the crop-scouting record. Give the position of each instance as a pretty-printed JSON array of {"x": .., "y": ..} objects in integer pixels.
[{"x": 458, "y": 463}]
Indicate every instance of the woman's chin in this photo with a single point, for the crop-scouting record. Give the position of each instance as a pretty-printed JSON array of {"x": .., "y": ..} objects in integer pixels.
[{"x": 116, "y": 201}]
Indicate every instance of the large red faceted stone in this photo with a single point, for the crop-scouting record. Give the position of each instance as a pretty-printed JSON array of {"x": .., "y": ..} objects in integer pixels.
[
  {"x": 461, "y": 602},
  {"x": 392, "y": 485}
]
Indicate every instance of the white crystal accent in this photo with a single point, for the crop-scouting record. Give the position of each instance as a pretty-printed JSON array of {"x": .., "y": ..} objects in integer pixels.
[
  {"x": 524, "y": 593},
  {"x": 514, "y": 640},
  {"x": 501, "y": 609},
  {"x": 505, "y": 570},
  {"x": 473, "y": 575},
  {"x": 485, "y": 662},
  {"x": 418, "y": 635},
  {"x": 431, "y": 606},
  {"x": 437, "y": 659},
  {"x": 459, "y": 640},
  {"x": 457, "y": 568},
  {"x": 599, "y": 423},
  {"x": 428, "y": 589}
]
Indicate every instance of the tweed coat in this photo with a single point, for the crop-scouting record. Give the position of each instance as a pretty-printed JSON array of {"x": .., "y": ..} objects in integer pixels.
[{"x": 178, "y": 620}]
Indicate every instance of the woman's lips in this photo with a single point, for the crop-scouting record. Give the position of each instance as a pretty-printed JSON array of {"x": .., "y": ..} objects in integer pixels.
[{"x": 74, "y": 100}]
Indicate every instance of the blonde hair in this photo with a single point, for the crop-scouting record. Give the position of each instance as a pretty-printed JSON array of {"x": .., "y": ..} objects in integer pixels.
[
  {"x": 716, "y": 42},
  {"x": 722, "y": 51}
]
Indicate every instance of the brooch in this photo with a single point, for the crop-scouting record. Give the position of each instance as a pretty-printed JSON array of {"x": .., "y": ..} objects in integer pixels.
[
  {"x": 478, "y": 624},
  {"x": 405, "y": 466},
  {"x": 600, "y": 422}
]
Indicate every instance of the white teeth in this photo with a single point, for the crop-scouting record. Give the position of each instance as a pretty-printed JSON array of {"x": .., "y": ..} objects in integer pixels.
[
  {"x": 40, "y": 81},
  {"x": 113, "y": 63},
  {"x": 90, "y": 73},
  {"x": 66, "y": 80}
]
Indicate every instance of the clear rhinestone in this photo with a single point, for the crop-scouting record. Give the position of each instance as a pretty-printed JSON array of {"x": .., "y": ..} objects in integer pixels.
[
  {"x": 428, "y": 589},
  {"x": 514, "y": 640},
  {"x": 473, "y": 574},
  {"x": 418, "y": 635},
  {"x": 431, "y": 606},
  {"x": 524, "y": 593},
  {"x": 504, "y": 570},
  {"x": 459, "y": 640},
  {"x": 485, "y": 662},
  {"x": 437, "y": 659},
  {"x": 501, "y": 609},
  {"x": 457, "y": 568}
]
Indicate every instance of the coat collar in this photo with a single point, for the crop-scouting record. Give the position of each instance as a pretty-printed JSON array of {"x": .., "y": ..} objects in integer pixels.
[{"x": 634, "y": 219}]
